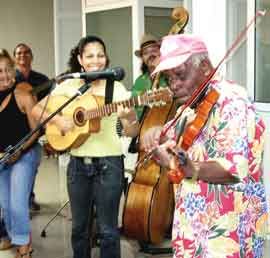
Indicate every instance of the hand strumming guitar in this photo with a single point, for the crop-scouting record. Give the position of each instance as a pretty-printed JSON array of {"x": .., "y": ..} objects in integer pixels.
[
  {"x": 129, "y": 121},
  {"x": 64, "y": 124}
]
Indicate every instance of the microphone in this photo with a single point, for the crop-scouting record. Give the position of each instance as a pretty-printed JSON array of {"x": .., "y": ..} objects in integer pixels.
[{"x": 116, "y": 74}]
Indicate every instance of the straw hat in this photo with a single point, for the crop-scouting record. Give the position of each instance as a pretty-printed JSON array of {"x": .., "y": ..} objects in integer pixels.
[
  {"x": 176, "y": 49},
  {"x": 146, "y": 41}
]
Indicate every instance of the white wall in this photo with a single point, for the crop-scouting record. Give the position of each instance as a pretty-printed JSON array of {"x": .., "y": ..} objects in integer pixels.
[
  {"x": 29, "y": 21},
  {"x": 67, "y": 30}
]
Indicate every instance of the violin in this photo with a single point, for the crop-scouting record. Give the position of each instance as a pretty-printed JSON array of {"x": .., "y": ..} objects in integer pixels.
[{"x": 192, "y": 131}]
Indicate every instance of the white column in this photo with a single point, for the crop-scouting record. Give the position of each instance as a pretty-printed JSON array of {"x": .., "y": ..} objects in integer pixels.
[{"x": 137, "y": 32}]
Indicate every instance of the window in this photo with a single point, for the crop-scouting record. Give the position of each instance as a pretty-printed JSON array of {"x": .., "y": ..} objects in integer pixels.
[
  {"x": 262, "y": 55},
  {"x": 236, "y": 17}
]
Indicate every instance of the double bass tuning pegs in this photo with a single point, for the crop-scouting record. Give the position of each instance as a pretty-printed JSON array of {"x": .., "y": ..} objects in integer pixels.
[{"x": 181, "y": 15}]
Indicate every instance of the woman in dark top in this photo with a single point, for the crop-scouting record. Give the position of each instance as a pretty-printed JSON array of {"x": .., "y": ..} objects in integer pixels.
[{"x": 17, "y": 174}]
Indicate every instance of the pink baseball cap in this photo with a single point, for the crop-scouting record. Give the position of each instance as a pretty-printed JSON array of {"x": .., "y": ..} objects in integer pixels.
[{"x": 176, "y": 49}]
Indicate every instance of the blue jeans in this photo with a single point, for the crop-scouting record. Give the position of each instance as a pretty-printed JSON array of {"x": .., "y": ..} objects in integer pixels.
[
  {"x": 16, "y": 181},
  {"x": 96, "y": 183},
  {"x": 3, "y": 233},
  {"x": 38, "y": 149}
]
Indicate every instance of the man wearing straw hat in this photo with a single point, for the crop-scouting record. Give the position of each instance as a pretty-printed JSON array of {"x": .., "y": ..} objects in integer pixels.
[
  {"x": 220, "y": 206},
  {"x": 149, "y": 53}
]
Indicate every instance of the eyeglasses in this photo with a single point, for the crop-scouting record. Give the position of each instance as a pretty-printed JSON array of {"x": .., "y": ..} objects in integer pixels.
[
  {"x": 175, "y": 77},
  {"x": 176, "y": 74}
]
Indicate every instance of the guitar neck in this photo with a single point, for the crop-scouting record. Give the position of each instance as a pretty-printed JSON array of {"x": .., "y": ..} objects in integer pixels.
[{"x": 108, "y": 109}]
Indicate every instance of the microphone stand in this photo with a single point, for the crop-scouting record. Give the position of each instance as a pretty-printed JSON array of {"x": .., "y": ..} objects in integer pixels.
[{"x": 12, "y": 150}]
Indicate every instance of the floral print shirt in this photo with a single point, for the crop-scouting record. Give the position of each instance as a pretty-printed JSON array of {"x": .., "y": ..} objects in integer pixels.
[{"x": 224, "y": 221}]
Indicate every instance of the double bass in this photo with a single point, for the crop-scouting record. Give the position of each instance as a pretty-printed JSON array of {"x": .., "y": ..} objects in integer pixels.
[{"x": 148, "y": 208}]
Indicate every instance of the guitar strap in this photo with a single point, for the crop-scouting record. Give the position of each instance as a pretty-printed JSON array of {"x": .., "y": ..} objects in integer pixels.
[
  {"x": 134, "y": 145},
  {"x": 109, "y": 91}
]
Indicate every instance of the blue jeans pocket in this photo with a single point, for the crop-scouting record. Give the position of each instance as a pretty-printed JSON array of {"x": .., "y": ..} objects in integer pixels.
[
  {"x": 112, "y": 171},
  {"x": 77, "y": 168}
]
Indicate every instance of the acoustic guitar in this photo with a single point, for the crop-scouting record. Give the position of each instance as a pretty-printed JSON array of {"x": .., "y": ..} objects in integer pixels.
[{"x": 86, "y": 113}]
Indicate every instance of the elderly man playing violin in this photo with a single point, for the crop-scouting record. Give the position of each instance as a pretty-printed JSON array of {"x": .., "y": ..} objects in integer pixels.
[{"x": 220, "y": 202}]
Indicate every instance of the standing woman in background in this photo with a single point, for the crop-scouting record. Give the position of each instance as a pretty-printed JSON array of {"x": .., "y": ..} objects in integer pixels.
[
  {"x": 18, "y": 173},
  {"x": 95, "y": 171}
]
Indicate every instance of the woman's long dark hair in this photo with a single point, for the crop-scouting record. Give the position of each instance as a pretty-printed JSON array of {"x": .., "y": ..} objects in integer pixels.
[{"x": 73, "y": 63}]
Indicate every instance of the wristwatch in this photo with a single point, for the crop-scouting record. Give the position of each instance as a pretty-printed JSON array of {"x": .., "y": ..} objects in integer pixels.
[{"x": 195, "y": 171}]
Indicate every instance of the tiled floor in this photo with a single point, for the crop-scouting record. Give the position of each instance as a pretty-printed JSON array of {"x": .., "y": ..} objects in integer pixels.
[{"x": 51, "y": 194}]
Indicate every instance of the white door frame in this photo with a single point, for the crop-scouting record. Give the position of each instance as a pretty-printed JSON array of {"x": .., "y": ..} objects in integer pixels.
[{"x": 137, "y": 7}]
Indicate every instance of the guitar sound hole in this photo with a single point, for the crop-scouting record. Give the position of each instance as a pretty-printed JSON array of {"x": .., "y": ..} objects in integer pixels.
[{"x": 79, "y": 118}]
